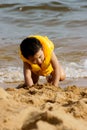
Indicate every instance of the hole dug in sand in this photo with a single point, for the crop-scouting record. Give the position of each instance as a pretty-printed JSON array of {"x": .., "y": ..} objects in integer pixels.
[{"x": 31, "y": 122}]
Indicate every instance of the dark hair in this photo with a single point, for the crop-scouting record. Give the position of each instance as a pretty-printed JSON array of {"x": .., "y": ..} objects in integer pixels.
[{"x": 30, "y": 46}]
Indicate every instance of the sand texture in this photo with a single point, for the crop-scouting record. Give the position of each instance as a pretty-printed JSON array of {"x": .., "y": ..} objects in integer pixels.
[{"x": 43, "y": 107}]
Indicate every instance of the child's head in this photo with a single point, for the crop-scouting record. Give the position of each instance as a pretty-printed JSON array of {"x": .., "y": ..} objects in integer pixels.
[
  {"x": 30, "y": 46},
  {"x": 31, "y": 49}
]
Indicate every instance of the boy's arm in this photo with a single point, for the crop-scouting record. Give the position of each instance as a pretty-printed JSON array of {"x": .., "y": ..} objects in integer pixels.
[
  {"x": 27, "y": 74},
  {"x": 56, "y": 68}
]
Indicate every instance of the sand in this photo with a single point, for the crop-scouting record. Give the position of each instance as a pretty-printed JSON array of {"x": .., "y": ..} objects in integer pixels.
[{"x": 43, "y": 107}]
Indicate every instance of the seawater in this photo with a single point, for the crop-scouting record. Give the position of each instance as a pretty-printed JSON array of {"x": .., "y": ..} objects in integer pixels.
[{"x": 63, "y": 21}]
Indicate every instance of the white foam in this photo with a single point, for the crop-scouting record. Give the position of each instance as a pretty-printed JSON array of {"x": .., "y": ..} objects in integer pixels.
[
  {"x": 72, "y": 69},
  {"x": 11, "y": 74},
  {"x": 85, "y": 64}
]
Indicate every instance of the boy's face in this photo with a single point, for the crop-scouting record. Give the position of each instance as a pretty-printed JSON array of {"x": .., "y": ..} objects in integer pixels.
[{"x": 38, "y": 58}]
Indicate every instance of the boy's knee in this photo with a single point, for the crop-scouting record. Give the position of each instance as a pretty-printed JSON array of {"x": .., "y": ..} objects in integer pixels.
[{"x": 63, "y": 76}]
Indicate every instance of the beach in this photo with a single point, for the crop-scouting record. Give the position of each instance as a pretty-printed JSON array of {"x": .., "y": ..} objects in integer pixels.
[{"x": 42, "y": 107}]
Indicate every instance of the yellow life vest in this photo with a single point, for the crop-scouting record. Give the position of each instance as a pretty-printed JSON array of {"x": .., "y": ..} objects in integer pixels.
[{"x": 46, "y": 67}]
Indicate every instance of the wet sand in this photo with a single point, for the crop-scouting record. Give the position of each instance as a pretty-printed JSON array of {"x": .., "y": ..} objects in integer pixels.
[{"x": 43, "y": 107}]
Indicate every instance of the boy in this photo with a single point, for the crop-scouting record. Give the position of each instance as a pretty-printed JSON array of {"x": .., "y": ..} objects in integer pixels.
[{"x": 39, "y": 60}]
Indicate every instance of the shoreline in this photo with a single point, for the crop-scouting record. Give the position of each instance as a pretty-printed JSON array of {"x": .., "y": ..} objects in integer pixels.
[{"x": 81, "y": 82}]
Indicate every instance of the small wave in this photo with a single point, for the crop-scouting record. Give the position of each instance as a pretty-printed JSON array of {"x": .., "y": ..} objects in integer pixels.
[
  {"x": 72, "y": 69},
  {"x": 52, "y": 6},
  {"x": 11, "y": 74}
]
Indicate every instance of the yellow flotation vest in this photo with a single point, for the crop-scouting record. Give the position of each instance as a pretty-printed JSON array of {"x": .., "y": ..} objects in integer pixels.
[{"x": 46, "y": 67}]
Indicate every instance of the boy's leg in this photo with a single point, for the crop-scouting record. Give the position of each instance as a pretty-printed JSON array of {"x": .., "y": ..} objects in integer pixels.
[
  {"x": 51, "y": 76},
  {"x": 35, "y": 78},
  {"x": 62, "y": 74}
]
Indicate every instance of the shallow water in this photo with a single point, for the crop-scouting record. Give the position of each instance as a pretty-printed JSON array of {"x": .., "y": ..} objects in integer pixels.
[{"x": 64, "y": 22}]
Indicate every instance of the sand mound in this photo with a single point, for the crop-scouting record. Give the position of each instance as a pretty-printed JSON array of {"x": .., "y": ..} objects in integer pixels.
[{"x": 43, "y": 107}]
